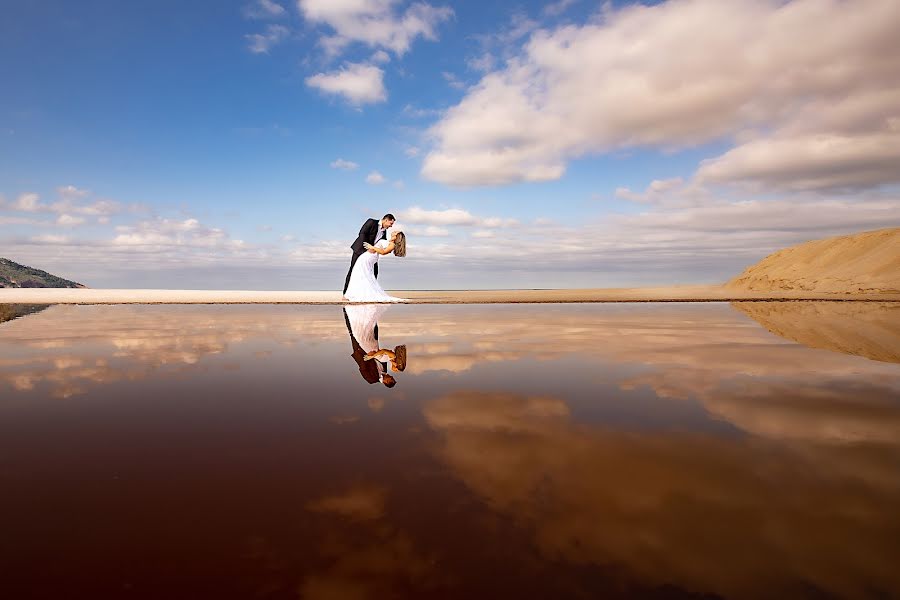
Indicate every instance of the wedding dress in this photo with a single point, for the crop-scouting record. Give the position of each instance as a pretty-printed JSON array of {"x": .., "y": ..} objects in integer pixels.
[
  {"x": 363, "y": 320},
  {"x": 363, "y": 286}
]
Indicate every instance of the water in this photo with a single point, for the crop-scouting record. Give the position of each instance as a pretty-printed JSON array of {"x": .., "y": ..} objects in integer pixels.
[{"x": 541, "y": 451}]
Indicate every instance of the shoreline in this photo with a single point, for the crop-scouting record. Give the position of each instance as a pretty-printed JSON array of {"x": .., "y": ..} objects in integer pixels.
[{"x": 710, "y": 293}]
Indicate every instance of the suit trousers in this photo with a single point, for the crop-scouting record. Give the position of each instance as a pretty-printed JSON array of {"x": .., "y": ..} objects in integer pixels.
[{"x": 353, "y": 260}]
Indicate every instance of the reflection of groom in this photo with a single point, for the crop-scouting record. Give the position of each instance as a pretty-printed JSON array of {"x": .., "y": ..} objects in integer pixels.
[
  {"x": 372, "y": 231},
  {"x": 369, "y": 369}
]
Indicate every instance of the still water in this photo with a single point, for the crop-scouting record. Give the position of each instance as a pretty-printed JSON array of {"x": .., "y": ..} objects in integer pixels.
[{"x": 532, "y": 451}]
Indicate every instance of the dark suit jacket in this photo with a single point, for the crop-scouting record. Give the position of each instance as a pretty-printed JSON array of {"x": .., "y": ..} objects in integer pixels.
[{"x": 367, "y": 233}]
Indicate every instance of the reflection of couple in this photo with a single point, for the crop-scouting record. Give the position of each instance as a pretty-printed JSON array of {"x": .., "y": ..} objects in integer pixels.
[
  {"x": 375, "y": 239},
  {"x": 375, "y": 364}
]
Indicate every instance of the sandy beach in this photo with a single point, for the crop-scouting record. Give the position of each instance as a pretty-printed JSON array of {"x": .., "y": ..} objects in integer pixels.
[{"x": 712, "y": 293}]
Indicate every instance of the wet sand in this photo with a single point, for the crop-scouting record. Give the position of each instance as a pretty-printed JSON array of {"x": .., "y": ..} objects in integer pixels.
[{"x": 708, "y": 293}]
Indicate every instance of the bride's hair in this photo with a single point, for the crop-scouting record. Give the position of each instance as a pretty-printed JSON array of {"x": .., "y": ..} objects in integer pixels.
[
  {"x": 400, "y": 244},
  {"x": 400, "y": 360}
]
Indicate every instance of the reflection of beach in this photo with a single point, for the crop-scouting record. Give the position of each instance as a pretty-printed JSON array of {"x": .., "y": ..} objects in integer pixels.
[{"x": 742, "y": 518}]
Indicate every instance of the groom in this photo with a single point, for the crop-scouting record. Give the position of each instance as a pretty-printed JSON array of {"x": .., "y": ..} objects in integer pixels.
[{"x": 372, "y": 231}]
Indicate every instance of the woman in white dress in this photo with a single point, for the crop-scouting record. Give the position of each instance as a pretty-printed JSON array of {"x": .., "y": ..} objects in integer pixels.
[{"x": 363, "y": 286}]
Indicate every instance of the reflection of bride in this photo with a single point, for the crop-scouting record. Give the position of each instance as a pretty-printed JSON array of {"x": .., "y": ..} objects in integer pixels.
[
  {"x": 362, "y": 323},
  {"x": 363, "y": 285}
]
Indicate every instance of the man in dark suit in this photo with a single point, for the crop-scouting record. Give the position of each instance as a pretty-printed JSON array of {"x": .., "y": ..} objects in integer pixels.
[{"x": 372, "y": 231}]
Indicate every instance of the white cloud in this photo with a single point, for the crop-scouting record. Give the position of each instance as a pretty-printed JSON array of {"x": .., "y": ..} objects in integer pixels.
[
  {"x": 810, "y": 162},
  {"x": 660, "y": 76},
  {"x": 375, "y": 23},
  {"x": 65, "y": 220},
  {"x": 657, "y": 192},
  {"x": 375, "y": 178},
  {"x": 451, "y": 216},
  {"x": 412, "y": 151},
  {"x": 27, "y": 203},
  {"x": 50, "y": 239},
  {"x": 453, "y": 81},
  {"x": 71, "y": 193},
  {"x": 430, "y": 231},
  {"x": 345, "y": 165},
  {"x": 482, "y": 63},
  {"x": 554, "y": 9},
  {"x": 483, "y": 234},
  {"x": 357, "y": 83},
  {"x": 380, "y": 57},
  {"x": 261, "y": 43},
  {"x": 19, "y": 221},
  {"x": 264, "y": 9},
  {"x": 174, "y": 233}
]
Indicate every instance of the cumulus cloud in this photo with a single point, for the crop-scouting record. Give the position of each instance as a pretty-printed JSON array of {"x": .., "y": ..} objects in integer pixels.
[
  {"x": 452, "y": 216},
  {"x": 261, "y": 43},
  {"x": 50, "y": 239},
  {"x": 554, "y": 9},
  {"x": 375, "y": 23},
  {"x": 264, "y": 9},
  {"x": 27, "y": 203},
  {"x": 815, "y": 79},
  {"x": 381, "y": 57},
  {"x": 358, "y": 83},
  {"x": 375, "y": 178},
  {"x": 345, "y": 165},
  {"x": 65, "y": 220},
  {"x": 71, "y": 193},
  {"x": 810, "y": 162},
  {"x": 174, "y": 233},
  {"x": 430, "y": 231}
]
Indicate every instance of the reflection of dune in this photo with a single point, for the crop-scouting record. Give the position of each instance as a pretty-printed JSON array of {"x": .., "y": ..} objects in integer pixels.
[
  {"x": 870, "y": 329},
  {"x": 741, "y": 518}
]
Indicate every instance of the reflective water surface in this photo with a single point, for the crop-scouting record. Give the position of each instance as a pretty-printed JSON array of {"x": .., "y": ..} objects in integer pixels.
[{"x": 533, "y": 451}]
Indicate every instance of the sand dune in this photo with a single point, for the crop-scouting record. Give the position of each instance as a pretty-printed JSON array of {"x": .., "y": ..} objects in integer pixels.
[{"x": 862, "y": 263}]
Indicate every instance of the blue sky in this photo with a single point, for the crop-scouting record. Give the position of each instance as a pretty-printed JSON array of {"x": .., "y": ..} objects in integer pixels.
[{"x": 522, "y": 144}]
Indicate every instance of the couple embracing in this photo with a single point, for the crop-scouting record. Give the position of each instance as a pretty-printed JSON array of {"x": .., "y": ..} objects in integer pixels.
[{"x": 375, "y": 239}]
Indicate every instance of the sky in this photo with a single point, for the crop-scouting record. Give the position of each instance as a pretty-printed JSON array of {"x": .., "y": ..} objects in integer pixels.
[{"x": 241, "y": 145}]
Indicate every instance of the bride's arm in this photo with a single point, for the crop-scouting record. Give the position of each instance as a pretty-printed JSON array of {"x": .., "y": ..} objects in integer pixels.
[{"x": 386, "y": 250}]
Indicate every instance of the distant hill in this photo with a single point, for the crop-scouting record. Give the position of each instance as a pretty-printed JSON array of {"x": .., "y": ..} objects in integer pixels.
[
  {"x": 14, "y": 275},
  {"x": 867, "y": 262}
]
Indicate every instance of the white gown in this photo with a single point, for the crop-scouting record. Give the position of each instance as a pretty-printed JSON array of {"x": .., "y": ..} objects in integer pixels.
[{"x": 363, "y": 286}]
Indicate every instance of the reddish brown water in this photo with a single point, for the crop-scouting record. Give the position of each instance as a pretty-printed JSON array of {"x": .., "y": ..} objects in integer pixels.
[{"x": 578, "y": 451}]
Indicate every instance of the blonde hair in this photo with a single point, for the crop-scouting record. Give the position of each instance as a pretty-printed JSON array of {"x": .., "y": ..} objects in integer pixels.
[
  {"x": 400, "y": 244},
  {"x": 400, "y": 358}
]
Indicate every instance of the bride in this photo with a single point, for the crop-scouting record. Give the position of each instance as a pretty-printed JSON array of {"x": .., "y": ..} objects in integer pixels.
[{"x": 363, "y": 286}]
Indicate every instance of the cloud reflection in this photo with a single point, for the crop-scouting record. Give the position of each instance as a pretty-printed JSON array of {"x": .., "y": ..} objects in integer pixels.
[{"x": 741, "y": 518}]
